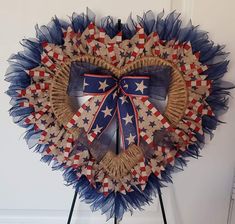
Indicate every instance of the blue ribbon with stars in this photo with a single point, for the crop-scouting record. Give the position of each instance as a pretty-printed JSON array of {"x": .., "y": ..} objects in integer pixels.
[{"x": 118, "y": 98}]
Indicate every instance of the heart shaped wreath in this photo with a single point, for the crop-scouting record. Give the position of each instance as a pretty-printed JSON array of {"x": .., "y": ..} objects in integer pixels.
[{"x": 158, "y": 84}]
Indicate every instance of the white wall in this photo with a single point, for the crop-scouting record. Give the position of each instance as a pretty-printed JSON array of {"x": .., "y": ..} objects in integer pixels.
[{"x": 31, "y": 193}]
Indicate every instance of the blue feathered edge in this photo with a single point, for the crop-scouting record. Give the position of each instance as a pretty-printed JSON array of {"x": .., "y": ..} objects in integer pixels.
[{"x": 169, "y": 27}]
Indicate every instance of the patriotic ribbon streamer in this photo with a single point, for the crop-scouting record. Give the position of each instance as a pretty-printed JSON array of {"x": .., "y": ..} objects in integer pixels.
[{"x": 118, "y": 98}]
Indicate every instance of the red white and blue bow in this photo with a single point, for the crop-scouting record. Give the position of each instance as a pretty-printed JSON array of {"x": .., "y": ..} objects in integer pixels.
[
  {"x": 128, "y": 98},
  {"x": 117, "y": 98}
]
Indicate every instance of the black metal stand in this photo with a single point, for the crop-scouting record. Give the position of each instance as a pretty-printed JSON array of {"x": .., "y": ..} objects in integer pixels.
[
  {"x": 72, "y": 207},
  {"x": 162, "y": 206},
  {"x": 117, "y": 134},
  {"x": 115, "y": 218},
  {"x": 117, "y": 152}
]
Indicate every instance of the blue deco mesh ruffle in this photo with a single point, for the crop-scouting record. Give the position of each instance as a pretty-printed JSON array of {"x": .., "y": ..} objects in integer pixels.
[{"x": 168, "y": 28}]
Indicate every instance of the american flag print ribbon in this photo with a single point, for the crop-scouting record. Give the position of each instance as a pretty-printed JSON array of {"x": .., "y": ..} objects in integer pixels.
[{"x": 117, "y": 99}]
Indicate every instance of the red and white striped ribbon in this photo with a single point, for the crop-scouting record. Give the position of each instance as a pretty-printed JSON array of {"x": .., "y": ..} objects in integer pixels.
[
  {"x": 38, "y": 87},
  {"x": 56, "y": 56},
  {"x": 37, "y": 115},
  {"x": 193, "y": 126},
  {"x": 38, "y": 73},
  {"x": 45, "y": 60},
  {"x": 26, "y": 104},
  {"x": 76, "y": 116},
  {"x": 101, "y": 35},
  {"x": 68, "y": 147},
  {"x": 105, "y": 185},
  {"x": 190, "y": 113},
  {"x": 88, "y": 172},
  {"x": 198, "y": 83},
  {"x": 111, "y": 53},
  {"x": 50, "y": 150},
  {"x": 140, "y": 45}
]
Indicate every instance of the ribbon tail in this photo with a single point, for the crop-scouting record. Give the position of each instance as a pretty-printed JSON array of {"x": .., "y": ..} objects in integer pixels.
[
  {"x": 146, "y": 121},
  {"x": 83, "y": 117},
  {"x": 164, "y": 122},
  {"x": 128, "y": 121},
  {"x": 103, "y": 116}
]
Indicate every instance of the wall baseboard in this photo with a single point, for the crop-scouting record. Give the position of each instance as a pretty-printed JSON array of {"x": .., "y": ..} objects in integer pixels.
[{"x": 15, "y": 216}]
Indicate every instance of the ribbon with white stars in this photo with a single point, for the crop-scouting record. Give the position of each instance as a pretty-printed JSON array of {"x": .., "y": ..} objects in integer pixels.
[{"x": 117, "y": 98}]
